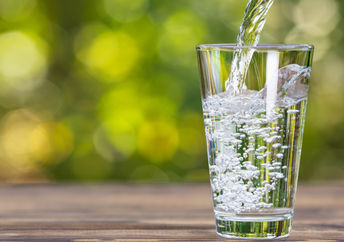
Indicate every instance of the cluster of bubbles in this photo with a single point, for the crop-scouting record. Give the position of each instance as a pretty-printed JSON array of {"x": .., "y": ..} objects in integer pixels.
[{"x": 246, "y": 144}]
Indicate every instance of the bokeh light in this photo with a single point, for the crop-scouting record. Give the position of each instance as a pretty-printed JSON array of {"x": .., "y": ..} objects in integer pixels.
[
  {"x": 51, "y": 142},
  {"x": 23, "y": 62},
  {"x": 16, "y": 159},
  {"x": 110, "y": 55},
  {"x": 121, "y": 115},
  {"x": 158, "y": 140},
  {"x": 17, "y": 126},
  {"x": 27, "y": 143},
  {"x": 307, "y": 19}
]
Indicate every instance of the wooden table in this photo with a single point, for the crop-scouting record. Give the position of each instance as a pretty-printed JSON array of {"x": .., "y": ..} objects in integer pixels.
[{"x": 146, "y": 213}]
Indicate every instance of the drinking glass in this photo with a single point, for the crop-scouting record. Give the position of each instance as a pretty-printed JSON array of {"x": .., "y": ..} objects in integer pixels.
[{"x": 254, "y": 135}]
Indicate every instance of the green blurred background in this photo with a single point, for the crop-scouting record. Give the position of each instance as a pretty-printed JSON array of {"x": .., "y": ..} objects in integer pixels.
[{"x": 109, "y": 90}]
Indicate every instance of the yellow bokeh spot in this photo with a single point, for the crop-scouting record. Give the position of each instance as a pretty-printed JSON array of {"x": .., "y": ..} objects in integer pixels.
[
  {"x": 124, "y": 10},
  {"x": 22, "y": 62},
  {"x": 110, "y": 55},
  {"x": 15, "y": 146},
  {"x": 16, "y": 162},
  {"x": 158, "y": 140},
  {"x": 51, "y": 142}
]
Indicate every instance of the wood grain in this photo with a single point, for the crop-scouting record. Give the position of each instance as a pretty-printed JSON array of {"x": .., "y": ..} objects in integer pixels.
[{"x": 113, "y": 212}]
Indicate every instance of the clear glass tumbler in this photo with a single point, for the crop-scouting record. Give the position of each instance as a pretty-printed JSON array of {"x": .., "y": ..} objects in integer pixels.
[{"x": 254, "y": 135}]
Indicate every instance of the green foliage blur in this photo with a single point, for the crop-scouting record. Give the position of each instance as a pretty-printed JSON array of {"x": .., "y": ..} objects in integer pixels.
[{"x": 109, "y": 89}]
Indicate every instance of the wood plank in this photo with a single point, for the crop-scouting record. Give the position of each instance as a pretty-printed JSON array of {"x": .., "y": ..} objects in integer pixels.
[{"x": 113, "y": 212}]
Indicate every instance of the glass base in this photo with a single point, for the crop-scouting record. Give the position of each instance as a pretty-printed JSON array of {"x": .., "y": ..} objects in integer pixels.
[{"x": 253, "y": 225}]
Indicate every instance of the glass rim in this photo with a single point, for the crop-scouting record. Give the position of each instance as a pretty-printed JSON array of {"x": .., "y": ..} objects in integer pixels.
[{"x": 262, "y": 47}]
